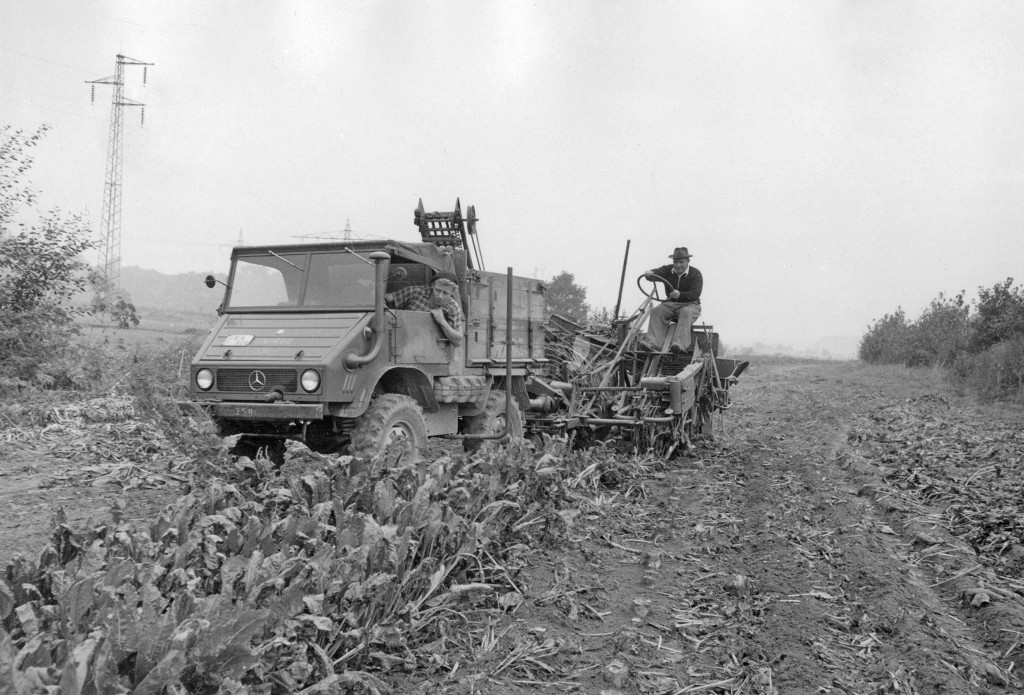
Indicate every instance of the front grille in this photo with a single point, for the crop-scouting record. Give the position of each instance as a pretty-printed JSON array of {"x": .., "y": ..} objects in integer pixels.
[{"x": 249, "y": 380}]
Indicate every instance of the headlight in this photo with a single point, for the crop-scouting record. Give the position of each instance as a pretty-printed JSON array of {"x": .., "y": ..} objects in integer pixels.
[
  {"x": 204, "y": 379},
  {"x": 310, "y": 380}
]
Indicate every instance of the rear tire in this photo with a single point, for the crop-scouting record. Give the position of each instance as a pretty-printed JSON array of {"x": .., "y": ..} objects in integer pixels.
[
  {"x": 392, "y": 427},
  {"x": 492, "y": 420}
]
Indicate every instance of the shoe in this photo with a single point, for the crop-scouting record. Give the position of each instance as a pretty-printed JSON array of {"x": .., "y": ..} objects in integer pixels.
[
  {"x": 647, "y": 346},
  {"x": 675, "y": 349}
]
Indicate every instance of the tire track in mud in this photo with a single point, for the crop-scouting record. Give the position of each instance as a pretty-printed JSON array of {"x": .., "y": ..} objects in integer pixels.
[
  {"x": 847, "y": 611},
  {"x": 852, "y": 611},
  {"x": 30, "y": 502}
]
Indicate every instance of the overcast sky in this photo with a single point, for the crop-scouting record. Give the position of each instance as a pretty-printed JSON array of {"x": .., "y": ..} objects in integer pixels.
[{"x": 824, "y": 162}]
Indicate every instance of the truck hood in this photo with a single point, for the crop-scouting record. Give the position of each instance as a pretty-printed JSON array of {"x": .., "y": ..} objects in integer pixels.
[{"x": 282, "y": 337}]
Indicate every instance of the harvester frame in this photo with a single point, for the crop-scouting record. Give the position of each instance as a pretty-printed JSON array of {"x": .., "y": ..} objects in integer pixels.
[{"x": 611, "y": 387}]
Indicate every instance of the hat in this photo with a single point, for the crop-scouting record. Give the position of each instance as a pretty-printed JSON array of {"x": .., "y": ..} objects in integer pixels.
[
  {"x": 680, "y": 252},
  {"x": 445, "y": 280}
]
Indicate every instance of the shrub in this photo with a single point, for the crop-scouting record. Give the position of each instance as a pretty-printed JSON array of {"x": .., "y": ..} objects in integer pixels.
[
  {"x": 40, "y": 271},
  {"x": 39, "y": 274},
  {"x": 994, "y": 373},
  {"x": 114, "y": 303},
  {"x": 933, "y": 340},
  {"x": 1000, "y": 315},
  {"x": 887, "y": 341},
  {"x": 940, "y": 333}
]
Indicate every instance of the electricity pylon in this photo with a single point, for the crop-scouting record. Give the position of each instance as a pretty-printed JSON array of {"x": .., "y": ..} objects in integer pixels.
[{"x": 110, "y": 225}]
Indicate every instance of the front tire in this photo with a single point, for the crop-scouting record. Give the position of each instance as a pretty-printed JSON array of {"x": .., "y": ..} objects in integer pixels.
[
  {"x": 492, "y": 421},
  {"x": 393, "y": 426}
]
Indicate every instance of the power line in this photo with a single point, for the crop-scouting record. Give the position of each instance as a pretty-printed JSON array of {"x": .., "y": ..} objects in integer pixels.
[
  {"x": 126, "y": 21},
  {"x": 143, "y": 242},
  {"x": 47, "y": 108},
  {"x": 42, "y": 60},
  {"x": 41, "y": 94}
]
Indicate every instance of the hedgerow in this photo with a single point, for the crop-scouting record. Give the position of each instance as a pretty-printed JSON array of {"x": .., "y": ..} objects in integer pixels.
[
  {"x": 999, "y": 316},
  {"x": 994, "y": 373},
  {"x": 887, "y": 340},
  {"x": 980, "y": 349},
  {"x": 39, "y": 273}
]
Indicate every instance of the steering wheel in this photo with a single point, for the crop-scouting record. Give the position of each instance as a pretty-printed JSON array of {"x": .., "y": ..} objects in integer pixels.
[{"x": 653, "y": 294}]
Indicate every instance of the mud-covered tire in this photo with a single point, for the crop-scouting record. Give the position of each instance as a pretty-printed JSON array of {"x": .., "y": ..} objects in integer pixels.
[
  {"x": 251, "y": 446},
  {"x": 492, "y": 420},
  {"x": 394, "y": 426}
]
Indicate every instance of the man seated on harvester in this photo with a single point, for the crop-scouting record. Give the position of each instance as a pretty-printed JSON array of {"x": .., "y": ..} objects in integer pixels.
[{"x": 683, "y": 284}]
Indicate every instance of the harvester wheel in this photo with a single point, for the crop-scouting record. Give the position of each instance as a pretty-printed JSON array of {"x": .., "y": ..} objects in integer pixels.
[
  {"x": 664, "y": 444},
  {"x": 250, "y": 446},
  {"x": 703, "y": 407},
  {"x": 492, "y": 420},
  {"x": 702, "y": 422},
  {"x": 393, "y": 428}
]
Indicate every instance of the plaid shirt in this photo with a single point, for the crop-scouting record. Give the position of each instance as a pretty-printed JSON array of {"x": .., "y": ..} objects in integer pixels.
[{"x": 418, "y": 299}]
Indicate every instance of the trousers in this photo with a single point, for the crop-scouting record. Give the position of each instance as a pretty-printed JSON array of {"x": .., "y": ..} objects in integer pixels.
[{"x": 684, "y": 314}]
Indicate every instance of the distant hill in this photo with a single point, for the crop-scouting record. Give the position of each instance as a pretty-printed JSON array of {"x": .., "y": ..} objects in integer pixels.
[
  {"x": 838, "y": 347},
  {"x": 184, "y": 292}
]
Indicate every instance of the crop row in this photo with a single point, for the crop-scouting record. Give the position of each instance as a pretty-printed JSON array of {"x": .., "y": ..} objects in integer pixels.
[{"x": 328, "y": 580}]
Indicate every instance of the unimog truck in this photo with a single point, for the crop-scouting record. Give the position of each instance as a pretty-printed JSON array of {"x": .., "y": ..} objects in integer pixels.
[{"x": 306, "y": 349}]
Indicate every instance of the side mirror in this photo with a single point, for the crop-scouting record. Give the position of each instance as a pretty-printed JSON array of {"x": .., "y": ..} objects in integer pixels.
[{"x": 210, "y": 281}]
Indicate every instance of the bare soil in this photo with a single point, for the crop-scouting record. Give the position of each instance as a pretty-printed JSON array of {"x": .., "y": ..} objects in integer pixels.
[{"x": 822, "y": 544}]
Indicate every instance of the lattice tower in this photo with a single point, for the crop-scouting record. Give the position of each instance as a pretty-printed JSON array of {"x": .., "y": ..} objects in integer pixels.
[{"x": 110, "y": 223}]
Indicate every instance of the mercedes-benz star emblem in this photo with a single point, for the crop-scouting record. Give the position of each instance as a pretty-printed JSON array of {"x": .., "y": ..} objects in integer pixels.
[{"x": 257, "y": 380}]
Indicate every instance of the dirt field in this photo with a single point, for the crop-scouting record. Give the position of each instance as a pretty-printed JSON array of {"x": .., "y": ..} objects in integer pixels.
[{"x": 853, "y": 530}]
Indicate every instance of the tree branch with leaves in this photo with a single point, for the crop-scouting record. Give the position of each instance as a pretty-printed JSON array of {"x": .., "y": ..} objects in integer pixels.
[{"x": 40, "y": 268}]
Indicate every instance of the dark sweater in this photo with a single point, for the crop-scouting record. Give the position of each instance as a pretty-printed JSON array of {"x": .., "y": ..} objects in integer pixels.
[{"x": 689, "y": 285}]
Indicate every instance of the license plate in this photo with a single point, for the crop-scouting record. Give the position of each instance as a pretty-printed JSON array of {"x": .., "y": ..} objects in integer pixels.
[{"x": 266, "y": 411}]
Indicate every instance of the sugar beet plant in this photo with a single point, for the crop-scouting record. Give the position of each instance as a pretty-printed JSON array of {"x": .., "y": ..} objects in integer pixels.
[{"x": 327, "y": 580}]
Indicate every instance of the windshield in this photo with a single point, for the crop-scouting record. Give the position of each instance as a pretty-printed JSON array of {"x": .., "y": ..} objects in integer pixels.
[{"x": 335, "y": 280}]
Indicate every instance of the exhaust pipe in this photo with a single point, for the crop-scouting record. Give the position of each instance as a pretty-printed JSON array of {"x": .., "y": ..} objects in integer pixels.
[{"x": 381, "y": 262}]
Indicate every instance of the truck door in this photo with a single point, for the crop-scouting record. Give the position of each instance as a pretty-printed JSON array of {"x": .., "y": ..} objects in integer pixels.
[{"x": 419, "y": 341}]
